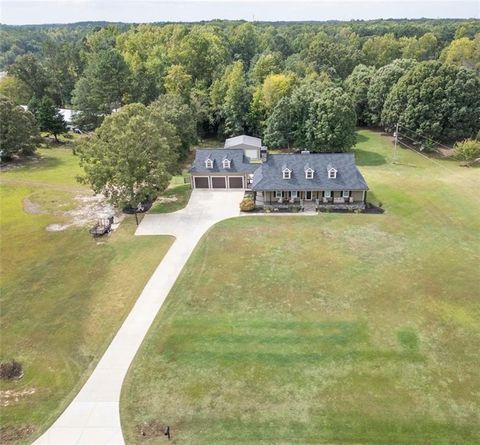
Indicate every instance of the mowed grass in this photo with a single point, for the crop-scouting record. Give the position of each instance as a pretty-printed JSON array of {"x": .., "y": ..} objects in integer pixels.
[
  {"x": 63, "y": 295},
  {"x": 173, "y": 199},
  {"x": 338, "y": 328}
]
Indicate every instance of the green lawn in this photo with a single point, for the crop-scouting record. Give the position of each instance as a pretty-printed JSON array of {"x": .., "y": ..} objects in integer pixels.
[
  {"x": 173, "y": 199},
  {"x": 63, "y": 295},
  {"x": 338, "y": 328}
]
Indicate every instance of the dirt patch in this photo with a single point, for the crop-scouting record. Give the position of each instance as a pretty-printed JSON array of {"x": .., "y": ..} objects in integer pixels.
[
  {"x": 57, "y": 227},
  {"x": 446, "y": 153},
  {"x": 9, "y": 434},
  {"x": 20, "y": 162},
  {"x": 88, "y": 209},
  {"x": 148, "y": 430},
  {"x": 11, "y": 396},
  {"x": 163, "y": 199},
  {"x": 31, "y": 207}
]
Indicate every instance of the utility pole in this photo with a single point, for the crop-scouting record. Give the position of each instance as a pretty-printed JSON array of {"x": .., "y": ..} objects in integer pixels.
[{"x": 395, "y": 135}]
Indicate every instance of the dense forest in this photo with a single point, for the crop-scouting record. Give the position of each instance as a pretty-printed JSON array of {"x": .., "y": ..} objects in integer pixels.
[{"x": 295, "y": 84}]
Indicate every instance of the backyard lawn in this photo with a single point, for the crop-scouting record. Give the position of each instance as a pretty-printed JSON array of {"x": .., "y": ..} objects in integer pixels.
[
  {"x": 336, "y": 328},
  {"x": 63, "y": 295}
]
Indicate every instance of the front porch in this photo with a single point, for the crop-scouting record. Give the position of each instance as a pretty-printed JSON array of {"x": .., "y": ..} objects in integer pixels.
[
  {"x": 304, "y": 202},
  {"x": 311, "y": 199}
]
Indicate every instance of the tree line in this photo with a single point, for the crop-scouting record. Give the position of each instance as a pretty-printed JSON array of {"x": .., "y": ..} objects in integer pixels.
[
  {"x": 233, "y": 75},
  {"x": 297, "y": 85}
]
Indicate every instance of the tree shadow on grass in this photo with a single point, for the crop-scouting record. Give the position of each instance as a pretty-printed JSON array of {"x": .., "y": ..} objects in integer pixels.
[{"x": 364, "y": 157}]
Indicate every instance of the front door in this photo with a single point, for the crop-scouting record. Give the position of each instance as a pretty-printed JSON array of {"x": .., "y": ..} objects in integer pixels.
[{"x": 308, "y": 196}]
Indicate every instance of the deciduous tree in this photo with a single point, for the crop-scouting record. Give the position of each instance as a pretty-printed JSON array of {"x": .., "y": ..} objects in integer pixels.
[
  {"x": 230, "y": 96},
  {"x": 331, "y": 122},
  {"x": 15, "y": 89},
  {"x": 357, "y": 84},
  {"x": 131, "y": 156},
  {"x": 181, "y": 115},
  {"x": 381, "y": 50},
  {"x": 438, "y": 101},
  {"x": 178, "y": 82},
  {"x": 463, "y": 52},
  {"x": 381, "y": 83},
  {"x": 18, "y": 130}
]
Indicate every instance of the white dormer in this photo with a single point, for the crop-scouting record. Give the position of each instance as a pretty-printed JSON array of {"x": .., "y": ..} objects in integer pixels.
[
  {"x": 287, "y": 173},
  {"x": 226, "y": 163},
  {"x": 332, "y": 173},
  {"x": 309, "y": 173},
  {"x": 208, "y": 163}
]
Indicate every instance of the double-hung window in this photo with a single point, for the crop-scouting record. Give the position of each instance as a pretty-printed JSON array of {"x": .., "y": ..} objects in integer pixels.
[
  {"x": 328, "y": 194},
  {"x": 278, "y": 194},
  {"x": 345, "y": 194}
]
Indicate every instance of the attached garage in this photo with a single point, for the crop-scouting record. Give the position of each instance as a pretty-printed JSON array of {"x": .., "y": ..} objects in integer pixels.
[
  {"x": 219, "y": 182},
  {"x": 201, "y": 182},
  {"x": 235, "y": 182}
]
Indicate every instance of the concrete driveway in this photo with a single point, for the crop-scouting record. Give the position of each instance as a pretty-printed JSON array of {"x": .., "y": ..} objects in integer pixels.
[{"x": 93, "y": 417}]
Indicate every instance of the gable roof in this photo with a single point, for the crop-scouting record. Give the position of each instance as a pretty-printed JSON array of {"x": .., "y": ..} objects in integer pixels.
[
  {"x": 243, "y": 140},
  {"x": 269, "y": 176},
  {"x": 239, "y": 163}
]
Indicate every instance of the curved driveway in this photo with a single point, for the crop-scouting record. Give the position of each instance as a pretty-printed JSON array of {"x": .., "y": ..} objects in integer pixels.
[{"x": 93, "y": 417}]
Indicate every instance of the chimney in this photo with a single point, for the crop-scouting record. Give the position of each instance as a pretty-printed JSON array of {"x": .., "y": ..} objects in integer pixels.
[{"x": 263, "y": 153}]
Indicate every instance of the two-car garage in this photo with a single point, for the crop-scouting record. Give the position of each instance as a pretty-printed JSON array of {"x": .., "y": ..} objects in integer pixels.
[{"x": 218, "y": 182}]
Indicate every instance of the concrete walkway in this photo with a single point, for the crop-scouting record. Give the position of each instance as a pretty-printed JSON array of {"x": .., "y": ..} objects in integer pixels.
[{"x": 93, "y": 417}]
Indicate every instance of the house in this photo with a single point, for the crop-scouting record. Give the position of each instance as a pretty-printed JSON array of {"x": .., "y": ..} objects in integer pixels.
[
  {"x": 330, "y": 178},
  {"x": 327, "y": 179}
]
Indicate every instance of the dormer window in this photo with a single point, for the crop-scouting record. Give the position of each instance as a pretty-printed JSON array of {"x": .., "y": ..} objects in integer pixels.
[
  {"x": 287, "y": 173},
  {"x": 332, "y": 173},
  {"x": 226, "y": 163},
  {"x": 309, "y": 173},
  {"x": 209, "y": 163}
]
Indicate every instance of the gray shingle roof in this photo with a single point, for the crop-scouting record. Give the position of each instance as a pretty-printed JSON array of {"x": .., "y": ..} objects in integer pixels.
[
  {"x": 243, "y": 139},
  {"x": 238, "y": 162},
  {"x": 269, "y": 176}
]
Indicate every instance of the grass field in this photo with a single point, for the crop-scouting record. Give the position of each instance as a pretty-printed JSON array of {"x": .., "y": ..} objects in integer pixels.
[
  {"x": 63, "y": 295},
  {"x": 338, "y": 328}
]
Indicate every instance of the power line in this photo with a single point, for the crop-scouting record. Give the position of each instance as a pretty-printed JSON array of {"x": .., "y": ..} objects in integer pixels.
[{"x": 428, "y": 139}]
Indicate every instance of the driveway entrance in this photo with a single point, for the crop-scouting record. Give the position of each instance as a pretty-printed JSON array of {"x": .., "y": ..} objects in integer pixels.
[{"x": 93, "y": 417}]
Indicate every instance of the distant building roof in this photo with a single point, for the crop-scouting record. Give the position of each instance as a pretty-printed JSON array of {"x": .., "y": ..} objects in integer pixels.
[
  {"x": 239, "y": 163},
  {"x": 65, "y": 112},
  {"x": 243, "y": 139},
  {"x": 269, "y": 175}
]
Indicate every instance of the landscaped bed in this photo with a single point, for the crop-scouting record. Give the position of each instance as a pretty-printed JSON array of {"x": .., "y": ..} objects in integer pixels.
[{"x": 331, "y": 329}]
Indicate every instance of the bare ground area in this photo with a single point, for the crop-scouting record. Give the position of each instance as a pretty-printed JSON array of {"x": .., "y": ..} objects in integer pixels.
[{"x": 87, "y": 210}]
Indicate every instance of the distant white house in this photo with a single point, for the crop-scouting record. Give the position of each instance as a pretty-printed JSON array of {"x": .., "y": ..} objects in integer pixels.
[
  {"x": 65, "y": 112},
  {"x": 251, "y": 146}
]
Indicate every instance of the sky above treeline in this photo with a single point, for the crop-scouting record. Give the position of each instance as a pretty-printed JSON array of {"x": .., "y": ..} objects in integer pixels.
[{"x": 18, "y": 12}]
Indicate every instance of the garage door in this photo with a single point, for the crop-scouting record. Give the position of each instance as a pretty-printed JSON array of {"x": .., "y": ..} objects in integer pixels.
[
  {"x": 235, "y": 182},
  {"x": 201, "y": 183},
  {"x": 219, "y": 182}
]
